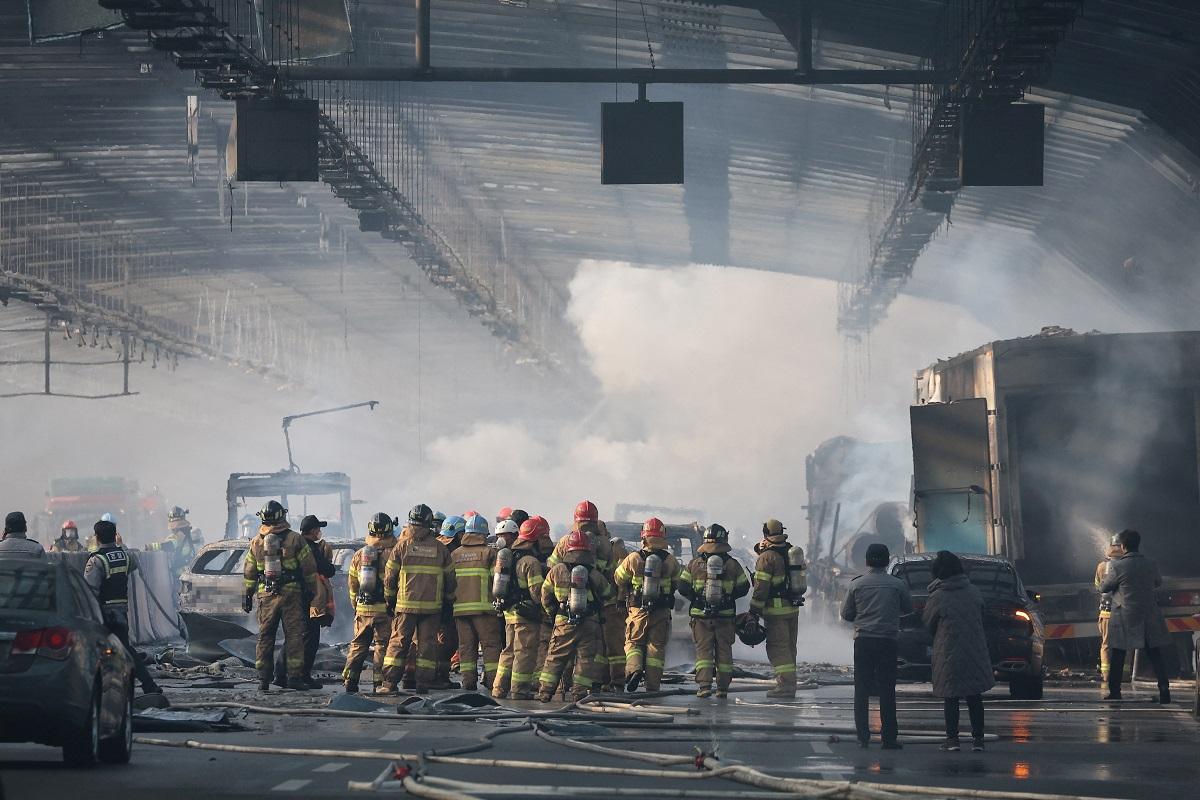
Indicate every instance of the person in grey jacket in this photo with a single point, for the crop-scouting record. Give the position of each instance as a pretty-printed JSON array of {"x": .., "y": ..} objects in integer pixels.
[
  {"x": 1136, "y": 622},
  {"x": 962, "y": 666},
  {"x": 875, "y": 604},
  {"x": 16, "y": 542}
]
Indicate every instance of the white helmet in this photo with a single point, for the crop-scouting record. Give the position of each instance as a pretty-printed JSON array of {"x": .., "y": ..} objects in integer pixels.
[{"x": 507, "y": 528}]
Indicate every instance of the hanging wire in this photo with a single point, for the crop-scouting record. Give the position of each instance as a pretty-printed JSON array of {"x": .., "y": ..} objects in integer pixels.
[
  {"x": 646, "y": 25},
  {"x": 616, "y": 39}
]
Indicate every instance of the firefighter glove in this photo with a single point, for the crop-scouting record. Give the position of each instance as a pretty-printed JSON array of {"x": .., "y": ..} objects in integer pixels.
[{"x": 248, "y": 602}]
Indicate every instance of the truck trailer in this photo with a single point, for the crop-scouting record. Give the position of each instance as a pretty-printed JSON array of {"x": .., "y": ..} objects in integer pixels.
[{"x": 1040, "y": 449}]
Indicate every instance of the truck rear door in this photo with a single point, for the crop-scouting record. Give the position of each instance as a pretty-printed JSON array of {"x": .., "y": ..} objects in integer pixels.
[{"x": 951, "y": 467}]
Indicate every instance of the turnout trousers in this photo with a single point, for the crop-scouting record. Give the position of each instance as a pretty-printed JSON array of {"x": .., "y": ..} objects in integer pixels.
[
  {"x": 615, "y": 617},
  {"x": 447, "y": 649},
  {"x": 646, "y": 634},
  {"x": 368, "y": 629},
  {"x": 405, "y": 628},
  {"x": 478, "y": 632},
  {"x": 781, "y": 648},
  {"x": 714, "y": 650},
  {"x": 273, "y": 609},
  {"x": 569, "y": 640}
]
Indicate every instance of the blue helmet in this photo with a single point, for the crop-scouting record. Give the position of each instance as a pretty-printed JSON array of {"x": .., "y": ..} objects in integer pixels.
[
  {"x": 477, "y": 524},
  {"x": 438, "y": 519},
  {"x": 453, "y": 527}
]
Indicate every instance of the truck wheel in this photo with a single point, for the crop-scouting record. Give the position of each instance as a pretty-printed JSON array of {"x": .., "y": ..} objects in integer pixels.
[
  {"x": 119, "y": 748},
  {"x": 81, "y": 746}
]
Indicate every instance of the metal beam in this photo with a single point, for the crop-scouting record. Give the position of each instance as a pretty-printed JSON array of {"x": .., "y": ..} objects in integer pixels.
[
  {"x": 804, "y": 35},
  {"x": 633, "y": 75},
  {"x": 422, "y": 34}
]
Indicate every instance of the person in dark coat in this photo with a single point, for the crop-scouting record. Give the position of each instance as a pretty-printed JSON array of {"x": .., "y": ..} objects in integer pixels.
[
  {"x": 1136, "y": 622},
  {"x": 962, "y": 666}
]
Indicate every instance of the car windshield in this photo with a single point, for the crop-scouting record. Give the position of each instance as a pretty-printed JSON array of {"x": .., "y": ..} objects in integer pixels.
[
  {"x": 26, "y": 587},
  {"x": 991, "y": 578},
  {"x": 217, "y": 562}
]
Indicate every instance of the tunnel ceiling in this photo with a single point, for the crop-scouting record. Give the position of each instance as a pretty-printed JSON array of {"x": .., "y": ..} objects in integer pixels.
[{"x": 780, "y": 178}]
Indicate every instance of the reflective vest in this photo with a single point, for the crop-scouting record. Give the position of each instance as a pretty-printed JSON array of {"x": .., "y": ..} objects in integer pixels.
[{"x": 114, "y": 589}]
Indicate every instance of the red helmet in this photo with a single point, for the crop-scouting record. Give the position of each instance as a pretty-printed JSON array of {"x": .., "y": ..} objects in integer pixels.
[
  {"x": 578, "y": 540},
  {"x": 503, "y": 514},
  {"x": 529, "y": 531},
  {"x": 543, "y": 527},
  {"x": 586, "y": 511},
  {"x": 652, "y": 527},
  {"x": 70, "y": 524}
]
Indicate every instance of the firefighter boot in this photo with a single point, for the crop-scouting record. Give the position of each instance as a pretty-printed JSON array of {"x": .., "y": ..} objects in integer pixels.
[{"x": 351, "y": 686}]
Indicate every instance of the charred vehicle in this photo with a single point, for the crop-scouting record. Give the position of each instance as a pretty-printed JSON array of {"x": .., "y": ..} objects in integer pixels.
[
  {"x": 1014, "y": 630},
  {"x": 1040, "y": 449}
]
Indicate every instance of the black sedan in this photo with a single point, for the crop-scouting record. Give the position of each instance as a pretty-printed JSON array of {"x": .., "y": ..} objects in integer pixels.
[
  {"x": 1016, "y": 638},
  {"x": 65, "y": 680}
]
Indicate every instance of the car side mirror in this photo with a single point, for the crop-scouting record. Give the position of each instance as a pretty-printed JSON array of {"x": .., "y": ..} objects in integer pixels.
[{"x": 1034, "y": 597}]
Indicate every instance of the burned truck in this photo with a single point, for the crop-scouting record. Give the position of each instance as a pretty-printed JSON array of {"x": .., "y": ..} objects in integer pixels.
[{"x": 1040, "y": 449}]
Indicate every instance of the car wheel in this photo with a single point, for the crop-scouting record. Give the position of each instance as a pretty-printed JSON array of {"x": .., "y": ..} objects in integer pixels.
[
  {"x": 82, "y": 746},
  {"x": 119, "y": 748}
]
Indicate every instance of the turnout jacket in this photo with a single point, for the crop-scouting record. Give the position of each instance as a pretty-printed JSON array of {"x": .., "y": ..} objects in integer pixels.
[
  {"x": 298, "y": 564},
  {"x": 529, "y": 574},
  {"x": 601, "y": 547},
  {"x": 630, "y": 577},
  {"x": 473, "y": 561},
  {"x": 734, "y": 583},
  {"x": 556, "y": 589},
  {"x": 375, "y": 603},
  {"x": 420, "y": 577},
  {"x": 770, "y": 581}
]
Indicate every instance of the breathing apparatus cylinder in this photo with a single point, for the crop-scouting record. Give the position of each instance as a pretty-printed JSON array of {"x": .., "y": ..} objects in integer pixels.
[
  {"x": 797, "y": 575},
  {"x": 502, "y": 573},
  {"x": 368, "y": 572},
  {"x": 651, "y": 579},
  {"x": 272, "y": 562},
  {"x": 577, "y": 602},
  {"x": 714, "y": 590}
]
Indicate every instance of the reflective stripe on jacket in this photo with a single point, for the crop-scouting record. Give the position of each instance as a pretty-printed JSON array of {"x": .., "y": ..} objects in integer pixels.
[
  {"x": 630, "y": 576},
  {"x": 734, "y": 584},
  {"x": 770, "y": 584},
  {"x": 530, "y": 574},
  {"x": 297, "y": 562},
  {"x": 384, "y": 545},
  {"x": 556, "y": 590}
]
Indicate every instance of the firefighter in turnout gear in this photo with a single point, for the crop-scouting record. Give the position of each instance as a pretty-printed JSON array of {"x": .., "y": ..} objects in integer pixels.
[
  {"x": 615, "y": 618},
  {"x": 107, "y": 572},
  {"x": 646, "y": 580},
  {"x": 279, "y": 567},
  {"x": 777, "y": 602},
  {"x": 418, "y": 582},
  {"x": 451, "y": 532},
  {"x": 572, "y": 594},
  {"x": 519, "y": 595},
  {"x": 68, "y": 539},
  {"x": 372, "y": 622},
  {"x": 479, "y": 628},
  {"x": 713, "y": 581},
  {"x": 1102, "y": 570},
  {"x": 587, "y": 520},
  {"x": 181, "y": 543}
]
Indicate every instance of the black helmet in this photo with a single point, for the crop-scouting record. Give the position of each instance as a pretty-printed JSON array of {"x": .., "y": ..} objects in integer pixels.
[
  {"x": 519, "y": 516},
  {"x": 177, "y": 512},
  {"x": 716, "y": 533},
  {"x": 421, "y": 514},
  {"x": 273, "y": 511},
  {"x": 749, "y": 629},
  {"x": 381, "y": 523}
]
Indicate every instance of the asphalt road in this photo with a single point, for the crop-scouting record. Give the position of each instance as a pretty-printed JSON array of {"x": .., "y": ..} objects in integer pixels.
[{"x": 1070, "y": 743}]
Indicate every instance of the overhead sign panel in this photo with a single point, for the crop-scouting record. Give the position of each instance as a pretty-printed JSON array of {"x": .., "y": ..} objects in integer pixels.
[
  {"x": 276, "y": 139},
  {"x": 641, "y": 142},
  {"x": 60, "y": 19},
  {"x": 298, "y": 30}
]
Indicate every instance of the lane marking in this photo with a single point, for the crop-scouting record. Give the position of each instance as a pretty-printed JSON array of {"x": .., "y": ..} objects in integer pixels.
[
  {"x": 822, "y": 748},
  {"x": 392, "y": 736},
  {"x": 332, "y": 766},
  {"x": 295, "y": 784}
]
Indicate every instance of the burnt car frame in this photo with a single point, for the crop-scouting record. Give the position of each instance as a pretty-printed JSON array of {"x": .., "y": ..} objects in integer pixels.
[
  {"x": 1015, "y": 634},
  {"x": 65, "y": 680}
]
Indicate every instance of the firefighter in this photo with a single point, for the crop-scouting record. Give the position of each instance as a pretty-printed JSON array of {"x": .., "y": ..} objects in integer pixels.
[
  {"x": 319, "y": 605},
  {"x": 587, "y": 519},
  {"x": 646, "y": 580},
  {"x": 418, "y": 582},
  {"x": 615, "y": 617},
  {"x": 520, "y": 598},
  {"x": 451, "y": 532},
  {"x": 279, "y": 567},
  {"x": 372, "y": 622},
  {"x": 107, "y": 573},
  {"x": 68, "y": 539},
  {"x": 479, "y": 629},
  {"x": 1102, "y": 570},
  {"x": 572, "y": 595},
  {"x": 506, "y": 534},
  {"x": 713, "y": 581},
  {"x": 773, "y": 600},
  {"x": 180, "y": 545}
]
